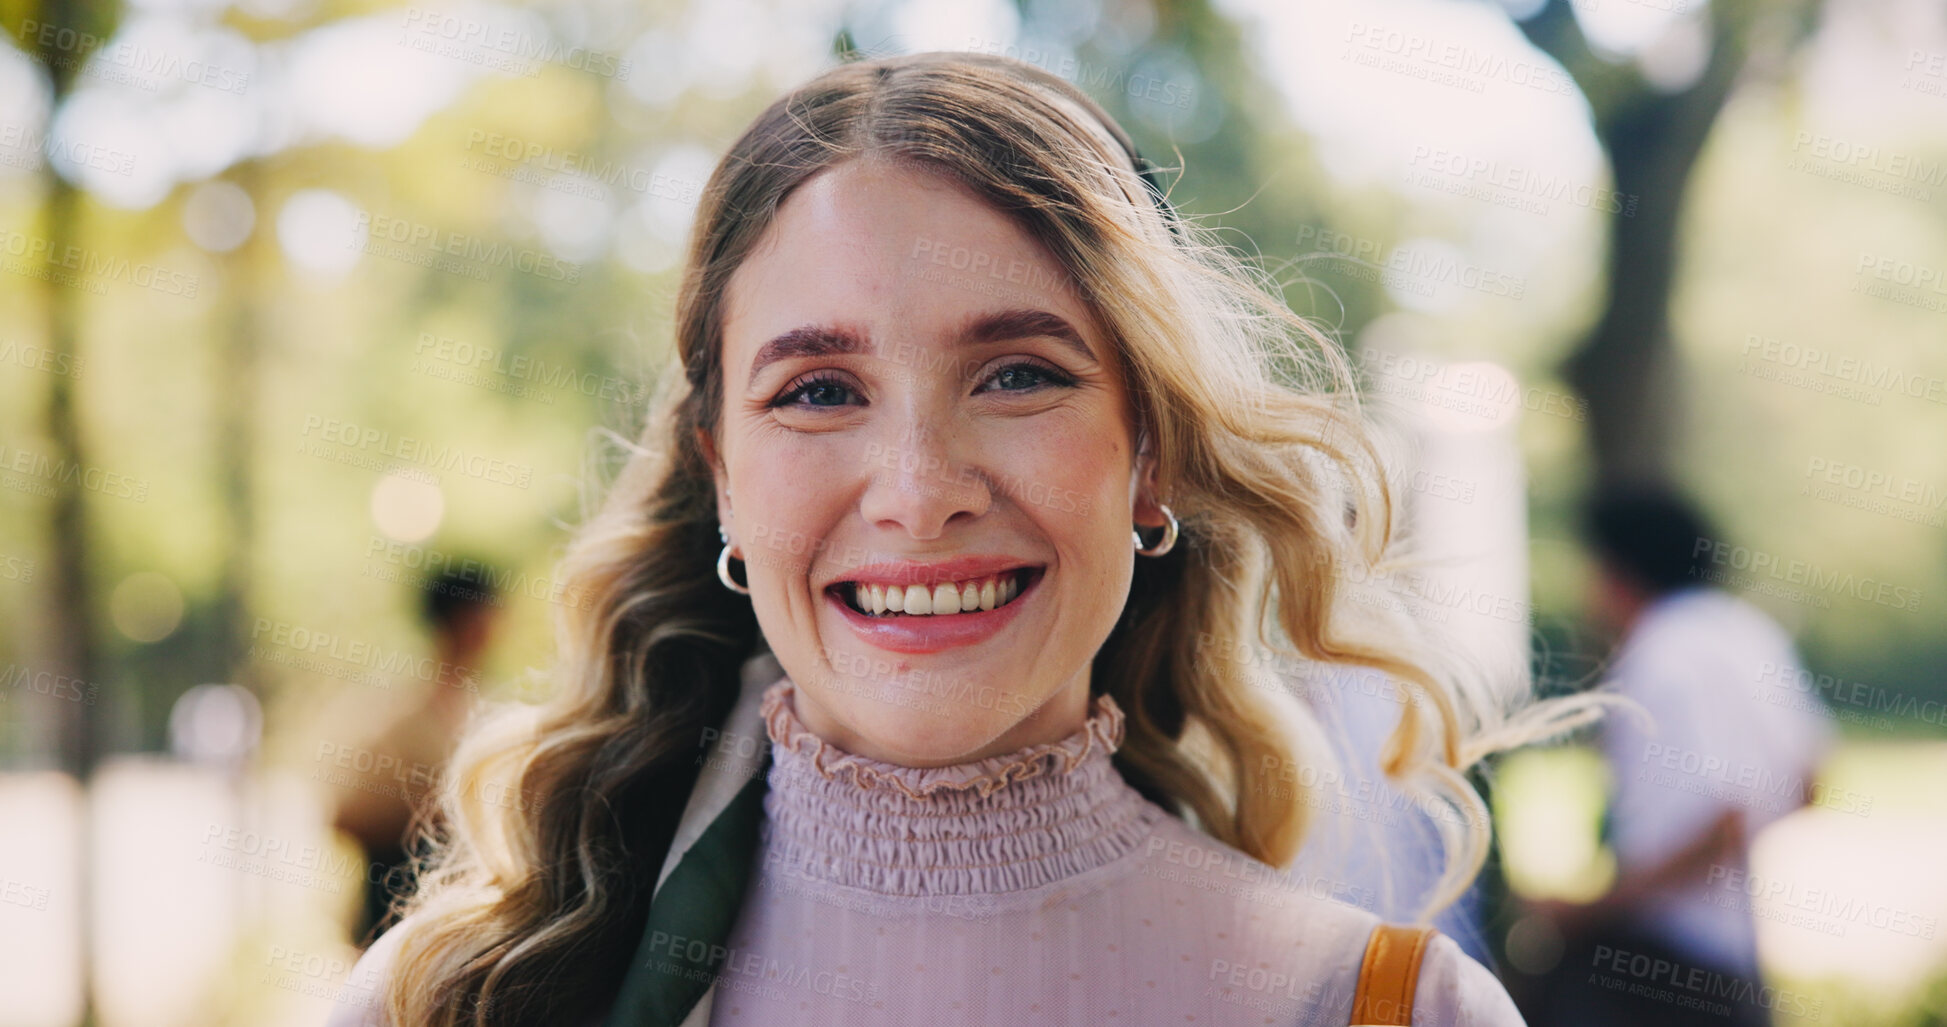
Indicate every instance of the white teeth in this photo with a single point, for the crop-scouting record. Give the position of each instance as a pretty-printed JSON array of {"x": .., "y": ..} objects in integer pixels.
[{"x": 946, "y": 597}]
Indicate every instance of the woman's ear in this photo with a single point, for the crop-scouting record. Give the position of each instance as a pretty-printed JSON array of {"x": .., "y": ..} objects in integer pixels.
[
  {"x": 1142, "y": 484},
  {"x": 719, "y": 480}
]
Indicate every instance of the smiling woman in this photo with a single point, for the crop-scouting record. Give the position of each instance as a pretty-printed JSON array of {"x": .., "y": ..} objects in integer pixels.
[
  {"x": 969, "y": 740},
  {"x": 899, "y": 421}
]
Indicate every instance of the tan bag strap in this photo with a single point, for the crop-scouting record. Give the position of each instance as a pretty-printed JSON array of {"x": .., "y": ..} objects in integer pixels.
[{"x": 1389, "y": 975}]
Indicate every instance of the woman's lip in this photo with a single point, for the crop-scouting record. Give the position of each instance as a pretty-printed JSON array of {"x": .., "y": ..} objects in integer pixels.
[
  {"x": 958, "y": 569},
  {"x": 934, "y": 632}
]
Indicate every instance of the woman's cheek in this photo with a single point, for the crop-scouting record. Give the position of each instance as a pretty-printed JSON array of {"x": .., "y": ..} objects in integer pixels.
[
  {"x": 769, "y": 533},
  {"x": 1072, "y": 474}
]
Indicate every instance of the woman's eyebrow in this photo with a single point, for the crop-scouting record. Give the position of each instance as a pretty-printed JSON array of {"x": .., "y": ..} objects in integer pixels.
[
  {"x": 994, "y": 326},
  {"x": 807, "y": 341},
  {"x": 1023, "y": 323}
]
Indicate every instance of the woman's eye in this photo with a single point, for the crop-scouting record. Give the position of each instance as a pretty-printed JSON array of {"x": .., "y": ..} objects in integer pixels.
[
  {"x": 1026, "y": 376},
  {"x": 819, "y": 391},
  {"x": 826, "y": 391}
]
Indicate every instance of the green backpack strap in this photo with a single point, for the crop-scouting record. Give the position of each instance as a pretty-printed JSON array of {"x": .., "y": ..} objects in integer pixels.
[{"x": 687, "y": 936}]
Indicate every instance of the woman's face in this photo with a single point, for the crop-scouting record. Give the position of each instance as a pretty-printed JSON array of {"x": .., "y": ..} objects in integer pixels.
[{"x": 915, "y": 398}]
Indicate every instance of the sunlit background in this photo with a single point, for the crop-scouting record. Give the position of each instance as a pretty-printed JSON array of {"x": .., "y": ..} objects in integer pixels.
[{"x": 304, "y": 300}]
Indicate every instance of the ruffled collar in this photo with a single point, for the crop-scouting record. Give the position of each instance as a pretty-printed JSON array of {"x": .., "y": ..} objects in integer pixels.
[
  {"x": 1005, "y": 823},
  {"x": 1101, "y": 733}
]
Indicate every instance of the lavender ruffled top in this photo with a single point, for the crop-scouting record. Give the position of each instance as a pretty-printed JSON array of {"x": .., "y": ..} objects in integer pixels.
[{"x": 1036, "y": 886}]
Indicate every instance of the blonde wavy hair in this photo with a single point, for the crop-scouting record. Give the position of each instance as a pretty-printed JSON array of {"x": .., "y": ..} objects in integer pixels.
[{"x": 527, "y": 912}]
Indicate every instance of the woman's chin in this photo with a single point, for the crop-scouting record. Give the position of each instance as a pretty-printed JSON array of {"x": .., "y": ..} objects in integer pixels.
[
  {"x": 932, "y": 731},
  {"x": 952, "y": 735}
]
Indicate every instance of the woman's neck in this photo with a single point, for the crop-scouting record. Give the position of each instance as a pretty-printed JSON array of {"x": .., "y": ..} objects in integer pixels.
[{"x": 1060, "y": 716}]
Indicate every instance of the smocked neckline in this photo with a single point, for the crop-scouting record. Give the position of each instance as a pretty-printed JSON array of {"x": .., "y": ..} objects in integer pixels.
[
  {"x": 1100, "y": 734},
  {"x": 1003, "y": 825}
]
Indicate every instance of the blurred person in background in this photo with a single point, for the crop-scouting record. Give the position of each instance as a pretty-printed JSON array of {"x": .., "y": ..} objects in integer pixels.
[
  {"x": 1375, "y": 844},
  {"x": 459, "y": 609},
  {"x": 1728, "y": 747}
]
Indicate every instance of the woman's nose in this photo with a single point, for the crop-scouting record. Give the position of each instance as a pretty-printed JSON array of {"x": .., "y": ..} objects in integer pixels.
[{"x": 920, "y": 480}]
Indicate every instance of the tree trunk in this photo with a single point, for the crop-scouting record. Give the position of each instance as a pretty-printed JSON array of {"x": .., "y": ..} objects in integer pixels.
[
  {"x": 1624, "y": 367},
  {"x": 73, "y": 644}
]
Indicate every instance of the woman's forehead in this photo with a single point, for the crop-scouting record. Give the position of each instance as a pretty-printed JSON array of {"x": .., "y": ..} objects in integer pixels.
[{"x": 877, "y": 249}]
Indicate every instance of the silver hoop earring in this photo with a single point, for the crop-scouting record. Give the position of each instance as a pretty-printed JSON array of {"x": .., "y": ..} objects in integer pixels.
[
  {"x": 723, "y": 564},
  {"x": 1169, "y": 535}
]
